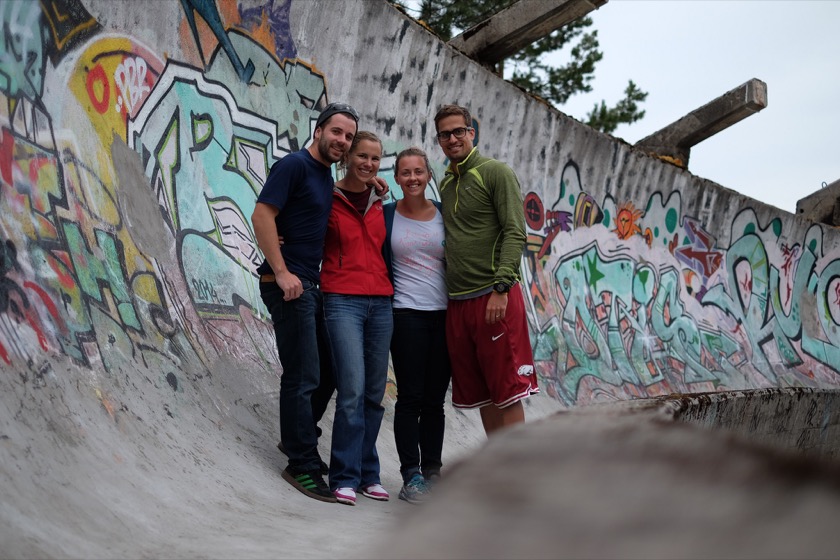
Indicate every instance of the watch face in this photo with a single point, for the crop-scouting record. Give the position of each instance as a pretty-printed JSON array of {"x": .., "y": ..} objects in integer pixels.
[{"x": 501, "y": 288}]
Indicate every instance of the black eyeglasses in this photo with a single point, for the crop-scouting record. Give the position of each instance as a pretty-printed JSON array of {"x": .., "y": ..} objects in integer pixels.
[
  {"x": 459, "y": 132},
  {"x": 335, "y": 108}
]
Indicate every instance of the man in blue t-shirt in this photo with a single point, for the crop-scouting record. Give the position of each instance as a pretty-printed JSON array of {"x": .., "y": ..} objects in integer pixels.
[{"x": 295, "y": 204}]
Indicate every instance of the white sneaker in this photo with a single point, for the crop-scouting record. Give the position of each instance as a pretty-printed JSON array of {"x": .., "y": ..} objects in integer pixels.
[
  {"x": 375, "y": 492},
  {"x": 345, "y": 495}
]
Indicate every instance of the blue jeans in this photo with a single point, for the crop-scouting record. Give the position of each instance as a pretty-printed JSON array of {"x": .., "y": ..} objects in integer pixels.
[
  {"x": 421, "y": 368},
  {"x": 359, "y": 329},
  {"x": 301, "y": 347}
]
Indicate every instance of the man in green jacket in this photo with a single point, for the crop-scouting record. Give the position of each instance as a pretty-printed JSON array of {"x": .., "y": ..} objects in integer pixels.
[{"x": 486, "y": 325}]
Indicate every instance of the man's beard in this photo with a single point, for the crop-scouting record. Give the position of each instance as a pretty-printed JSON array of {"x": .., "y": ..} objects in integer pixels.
[{"x": 324, "y": 150}]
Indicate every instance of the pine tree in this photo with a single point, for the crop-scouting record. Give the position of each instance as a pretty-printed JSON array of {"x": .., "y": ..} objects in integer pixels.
[{"x": 528, "y": 68}]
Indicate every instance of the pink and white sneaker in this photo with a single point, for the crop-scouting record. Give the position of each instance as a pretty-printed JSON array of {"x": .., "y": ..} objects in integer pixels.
[
  {"x": 345, "y": 495},
  {"x": 375, "y": 492}
]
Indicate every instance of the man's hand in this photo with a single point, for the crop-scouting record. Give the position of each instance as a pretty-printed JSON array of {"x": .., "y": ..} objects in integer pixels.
[
  {"x": 290, "y": 284},
  {"x": 496, "y": 307},
  {"x": 381, "y": 186}
]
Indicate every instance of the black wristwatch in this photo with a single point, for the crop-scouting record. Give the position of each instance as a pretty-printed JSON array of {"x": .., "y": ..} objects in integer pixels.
[{"x": 501, "y": 288}]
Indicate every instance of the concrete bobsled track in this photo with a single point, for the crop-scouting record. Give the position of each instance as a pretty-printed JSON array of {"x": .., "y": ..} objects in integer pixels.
[{"x": 138, "y": 372}]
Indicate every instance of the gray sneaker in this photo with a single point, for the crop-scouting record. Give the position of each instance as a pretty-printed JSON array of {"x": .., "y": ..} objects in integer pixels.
[
  {"x": 432, "y": 479},
  {"x": 415, "y": 491}
]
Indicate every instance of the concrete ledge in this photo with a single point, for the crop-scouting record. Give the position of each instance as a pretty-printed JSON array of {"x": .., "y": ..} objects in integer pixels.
[{"x": 793, "y": 418}]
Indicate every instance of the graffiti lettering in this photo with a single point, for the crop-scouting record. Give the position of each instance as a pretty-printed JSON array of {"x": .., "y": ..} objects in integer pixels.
[{"x": 130, "y": 79}]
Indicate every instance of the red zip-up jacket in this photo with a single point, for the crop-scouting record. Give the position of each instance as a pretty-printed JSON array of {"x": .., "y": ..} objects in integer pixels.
[{"x": 353, "y": 263}]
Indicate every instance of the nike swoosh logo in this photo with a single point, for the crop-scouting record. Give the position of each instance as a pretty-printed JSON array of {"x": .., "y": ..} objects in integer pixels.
[{"x": 497, "y": 337}]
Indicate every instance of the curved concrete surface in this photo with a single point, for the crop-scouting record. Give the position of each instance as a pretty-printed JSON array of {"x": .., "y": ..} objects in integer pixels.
[
  {"x": 140, "y": 469},
  {"x": 626, "y": 481}
]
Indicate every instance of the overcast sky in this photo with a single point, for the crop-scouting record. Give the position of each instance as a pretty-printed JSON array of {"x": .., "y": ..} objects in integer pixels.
[{"x": 685, "y": 53}]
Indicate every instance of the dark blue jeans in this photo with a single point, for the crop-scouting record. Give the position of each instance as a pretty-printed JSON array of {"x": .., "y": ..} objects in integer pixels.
[
  {"x": 360, "y": 330},
  {"x": 306, "y": 383},
  {"x": 422, "y": 372}
]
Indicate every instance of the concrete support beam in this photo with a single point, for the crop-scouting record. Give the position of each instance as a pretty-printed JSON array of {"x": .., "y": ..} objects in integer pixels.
[
  {"x": 517, "y": 26},
  {"x": 822, "y": 206},
  {"x": 674, "y": 142}
]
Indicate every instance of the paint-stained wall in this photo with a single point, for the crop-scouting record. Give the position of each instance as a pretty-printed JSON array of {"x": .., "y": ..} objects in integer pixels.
[{"x": 135, "y": 137}]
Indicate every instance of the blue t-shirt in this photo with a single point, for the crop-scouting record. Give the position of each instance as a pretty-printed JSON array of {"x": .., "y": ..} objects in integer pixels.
[{"x": 300, "y": 187}]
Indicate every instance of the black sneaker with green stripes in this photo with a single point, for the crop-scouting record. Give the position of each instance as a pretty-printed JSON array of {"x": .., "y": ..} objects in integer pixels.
[
  {"x": 325, "y": 468},
  {"x": 310, "y": 483}
]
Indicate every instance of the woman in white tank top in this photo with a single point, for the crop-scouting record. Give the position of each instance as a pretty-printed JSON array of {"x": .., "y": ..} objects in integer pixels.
[{"x": 414, "y": 252}]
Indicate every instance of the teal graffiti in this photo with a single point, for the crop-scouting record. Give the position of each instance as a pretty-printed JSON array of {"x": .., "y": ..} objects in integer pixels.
[
  {"x": 678, "y": 330},
  {"x": 22, "y": 60},
  {"x": 754, "y": 314},
  {"x": 630, "y": 327},
  {"x": 101, "y": 269},
  {"x": 212, "y": 149}
]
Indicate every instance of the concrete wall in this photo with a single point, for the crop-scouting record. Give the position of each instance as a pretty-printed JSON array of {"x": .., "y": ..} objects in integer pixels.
[{"x": 643, "y": 279}]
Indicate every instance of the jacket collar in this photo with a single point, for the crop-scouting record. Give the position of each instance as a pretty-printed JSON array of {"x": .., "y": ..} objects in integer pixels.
[{"x": 469, "y": 161}]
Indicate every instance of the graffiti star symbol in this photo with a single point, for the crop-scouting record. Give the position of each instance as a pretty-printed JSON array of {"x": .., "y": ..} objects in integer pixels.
[{"x": 594, "y": 274}]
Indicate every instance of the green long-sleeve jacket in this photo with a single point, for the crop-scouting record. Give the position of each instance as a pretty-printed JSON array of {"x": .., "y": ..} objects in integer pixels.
[{"x": 484, "y": 223}]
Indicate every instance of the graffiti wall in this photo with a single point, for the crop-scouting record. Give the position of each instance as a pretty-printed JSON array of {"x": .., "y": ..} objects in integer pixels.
[
  {"x": 135, "y": 137},
  {"x": 641, "y": 301}
]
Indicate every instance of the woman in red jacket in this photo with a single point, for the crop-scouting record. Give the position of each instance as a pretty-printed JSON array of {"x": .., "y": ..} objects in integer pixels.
[{"x": 357, "y": 310}]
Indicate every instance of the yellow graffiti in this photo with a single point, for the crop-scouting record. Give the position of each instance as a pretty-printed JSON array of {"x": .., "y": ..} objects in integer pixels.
[{"x": 110, "y": 81}]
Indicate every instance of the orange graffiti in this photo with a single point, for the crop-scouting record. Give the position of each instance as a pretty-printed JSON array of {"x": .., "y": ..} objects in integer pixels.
[{"x": 626, "y": 222}]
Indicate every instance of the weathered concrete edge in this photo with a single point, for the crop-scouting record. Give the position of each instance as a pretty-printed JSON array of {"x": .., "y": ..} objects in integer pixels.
[{"x": 801, "y": 419}]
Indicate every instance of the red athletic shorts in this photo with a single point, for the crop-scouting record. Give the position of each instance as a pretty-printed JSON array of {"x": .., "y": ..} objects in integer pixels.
[{"x": 490, "y": 363}]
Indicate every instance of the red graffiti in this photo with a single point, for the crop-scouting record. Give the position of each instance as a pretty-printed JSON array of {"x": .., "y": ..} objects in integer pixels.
[
  {"x": 534, "y": 211},
  {"x": 94, "y": 77},
  {"x": 700, "y": 234},
  {"x": 708, "y": 260},
  {"x": 65, "y": 278},
  {"x": 48, "y": 302},
  {"x": 555, "y": 222},
  {"x": 746, "y": 283},
  {"x": 7, "y": 147},
  {"x": 672, "y": 244},
  {"x": 32, "y": 319}
]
